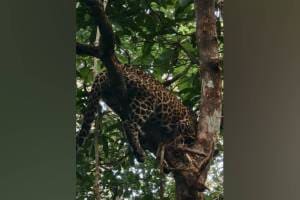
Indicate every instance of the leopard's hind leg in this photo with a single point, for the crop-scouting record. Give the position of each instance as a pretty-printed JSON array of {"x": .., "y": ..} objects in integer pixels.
[
  {"x": 141, "y": 110},
  {"x": 91, "y": 109}
]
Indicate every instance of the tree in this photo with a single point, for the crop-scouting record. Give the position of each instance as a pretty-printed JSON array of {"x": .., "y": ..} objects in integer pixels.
[{"x": 159, "y": 37}]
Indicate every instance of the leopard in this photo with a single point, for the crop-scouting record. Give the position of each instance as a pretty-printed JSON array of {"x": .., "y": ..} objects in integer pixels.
[{"x": 155, "y": 115}]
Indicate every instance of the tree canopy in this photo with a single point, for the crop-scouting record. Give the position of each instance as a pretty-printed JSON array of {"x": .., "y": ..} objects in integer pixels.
[{"x": 160, "y": 38}]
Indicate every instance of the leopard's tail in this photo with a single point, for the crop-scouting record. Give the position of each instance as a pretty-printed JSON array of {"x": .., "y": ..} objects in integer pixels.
[{"x": 89, "y": 114}]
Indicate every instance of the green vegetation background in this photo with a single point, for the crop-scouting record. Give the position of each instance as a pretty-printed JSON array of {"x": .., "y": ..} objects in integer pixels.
[{"x": 159, "y": 37}]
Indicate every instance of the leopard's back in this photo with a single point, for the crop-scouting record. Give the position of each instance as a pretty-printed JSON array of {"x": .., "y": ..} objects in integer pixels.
[
  {"x": 154, "y": 112},
  {"x": 169, "y": 112}
]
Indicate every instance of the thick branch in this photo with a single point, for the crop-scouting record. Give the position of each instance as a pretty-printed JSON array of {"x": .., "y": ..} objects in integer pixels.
[
  {"x": 210, "y": 69},
  {"x": 87, "y": 50},
  {"x": 210, "y": 74},
  {"x": 206, "y": 34},
  {"x": 107, "y": 53},
  {"x": 107, "y": 40},
  {"x": 210, "y": 102}
]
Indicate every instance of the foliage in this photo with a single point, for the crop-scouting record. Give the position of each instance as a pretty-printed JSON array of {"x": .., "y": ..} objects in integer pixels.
[{"x": 159, "y": 37}]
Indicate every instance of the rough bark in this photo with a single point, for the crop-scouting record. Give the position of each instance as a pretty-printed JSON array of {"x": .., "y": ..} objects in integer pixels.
[
  {"x": 209, "y": 119},
  {"x": 184, "y": 192}
]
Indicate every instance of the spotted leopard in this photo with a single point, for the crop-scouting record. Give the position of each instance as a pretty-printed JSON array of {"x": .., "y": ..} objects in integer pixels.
[{"x": 155, "y": 114}]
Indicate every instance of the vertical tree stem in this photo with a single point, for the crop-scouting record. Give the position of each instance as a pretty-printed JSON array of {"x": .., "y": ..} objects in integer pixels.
[
  {"x": 210, "y": 74},
  {"x": 98, "y": 128},
  {"x": 209, "y": 119}
]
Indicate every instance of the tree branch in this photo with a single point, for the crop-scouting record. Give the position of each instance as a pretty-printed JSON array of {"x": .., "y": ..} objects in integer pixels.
[
  {"x": 87, "y": 50},
  {"x": 177, "y": 77},
  {"x": 107, "y": 52},
  {"x": 189, "y": 55},
  {"x": 193, "y": 60},
  {"x": 107, "y": 40},
  {"x": 211, "y": 82}
]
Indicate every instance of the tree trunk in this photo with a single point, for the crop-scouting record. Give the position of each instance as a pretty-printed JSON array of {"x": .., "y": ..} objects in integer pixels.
[
  {"x": 183, "y": 192},
  {"x": 210, "y": 110}
]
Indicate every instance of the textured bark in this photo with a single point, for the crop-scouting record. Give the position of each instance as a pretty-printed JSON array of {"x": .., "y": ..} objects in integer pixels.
[
  {"x": 209, "y": 119},
  {"x": 210, "y": 75},
  {"x": 184, "y": 192}
]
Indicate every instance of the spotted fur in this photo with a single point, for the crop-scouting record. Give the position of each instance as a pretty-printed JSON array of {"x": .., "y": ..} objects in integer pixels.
[{"x": 155, "y": 114}]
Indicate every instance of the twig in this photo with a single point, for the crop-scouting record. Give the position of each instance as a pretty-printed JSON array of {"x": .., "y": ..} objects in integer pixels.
[
  {"x": 98, "y": 130},
  {"x": 177, "y": 77},
  {"x": 194, "y": 151},
  {"x": 162, "y": 176},
  {"x": 97, "y": 160}
]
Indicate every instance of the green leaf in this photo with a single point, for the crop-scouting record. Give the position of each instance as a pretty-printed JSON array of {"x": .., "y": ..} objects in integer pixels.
[
  {"x": 165, "y": 58},
  {"x": 87, "y": 74},
  {"x": 147, "y": 48},
  {"x": 184, "y": 3}
]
